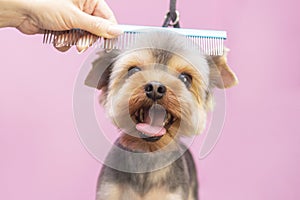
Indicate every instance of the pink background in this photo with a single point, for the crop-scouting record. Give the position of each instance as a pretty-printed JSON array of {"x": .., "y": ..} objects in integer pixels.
[{"x": 258, "y": 156}]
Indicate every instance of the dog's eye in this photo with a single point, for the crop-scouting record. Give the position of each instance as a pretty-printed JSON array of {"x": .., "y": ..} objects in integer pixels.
[
  {"x": 186, "y": 79},
  {"x": 133, "y": 70}
]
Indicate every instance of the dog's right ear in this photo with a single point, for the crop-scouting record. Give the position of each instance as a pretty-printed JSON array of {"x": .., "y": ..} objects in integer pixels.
[{"x": 99, "y": 75}]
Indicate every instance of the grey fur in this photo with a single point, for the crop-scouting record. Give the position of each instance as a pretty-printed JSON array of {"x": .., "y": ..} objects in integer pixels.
[{"x": 181, "y": 174}]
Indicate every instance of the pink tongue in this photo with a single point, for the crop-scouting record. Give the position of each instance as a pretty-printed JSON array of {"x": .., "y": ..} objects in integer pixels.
[
  {"x": 154, "y": 119},
  {"x": 150, "y": 130}
]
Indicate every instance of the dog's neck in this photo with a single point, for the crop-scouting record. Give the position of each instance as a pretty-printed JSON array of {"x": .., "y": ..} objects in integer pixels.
[{"x": 136, "y": 144}]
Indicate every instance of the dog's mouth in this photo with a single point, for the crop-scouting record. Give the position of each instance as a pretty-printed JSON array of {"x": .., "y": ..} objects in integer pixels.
[{"x": 153, "y": 122}]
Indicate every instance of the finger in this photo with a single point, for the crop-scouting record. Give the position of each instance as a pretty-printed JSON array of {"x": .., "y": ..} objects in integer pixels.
[
  {"x": 62, "y": 48},
  {"x": 85, "y": 42},
  {"x": 28, "y": 28},
  {"x": 89, "y": 6},
  {"x": 62, "y": 42},
  {"x": 104, "y": 11},
  {"x": 97, "y": 25}
]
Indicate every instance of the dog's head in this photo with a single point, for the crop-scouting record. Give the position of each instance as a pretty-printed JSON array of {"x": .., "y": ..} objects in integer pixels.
[{"x": 158, "y": 90}]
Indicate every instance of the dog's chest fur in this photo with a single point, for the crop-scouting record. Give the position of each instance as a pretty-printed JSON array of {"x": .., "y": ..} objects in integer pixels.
[{"x": 178, "y": 178}]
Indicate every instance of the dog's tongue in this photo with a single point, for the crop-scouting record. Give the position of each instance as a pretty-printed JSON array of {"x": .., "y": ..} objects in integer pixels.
[{"x": 154, "y": 120}]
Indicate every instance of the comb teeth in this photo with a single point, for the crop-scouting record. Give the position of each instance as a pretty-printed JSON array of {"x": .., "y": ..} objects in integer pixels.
[
  {"x": 207, "y": 42},
  {"x": 69, "y": 37}
]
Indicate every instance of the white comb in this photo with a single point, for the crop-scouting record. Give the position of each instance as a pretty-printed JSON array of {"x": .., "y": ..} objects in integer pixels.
[{"x": 209, "y": 42}]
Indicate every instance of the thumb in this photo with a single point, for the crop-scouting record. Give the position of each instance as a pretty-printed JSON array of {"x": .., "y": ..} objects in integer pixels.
[{"x": 97, "y": 25}]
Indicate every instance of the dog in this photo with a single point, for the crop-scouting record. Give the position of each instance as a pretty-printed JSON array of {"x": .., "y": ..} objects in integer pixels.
[{"x": 155, "y": 93}]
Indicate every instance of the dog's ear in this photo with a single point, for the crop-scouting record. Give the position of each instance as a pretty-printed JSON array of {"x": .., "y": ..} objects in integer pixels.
[
  {"x": 221, "y": 75},
  {"x": 99, "y": 75}
]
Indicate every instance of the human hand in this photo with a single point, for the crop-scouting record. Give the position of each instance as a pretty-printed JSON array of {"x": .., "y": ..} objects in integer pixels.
[{"x": 35, "y": 16}]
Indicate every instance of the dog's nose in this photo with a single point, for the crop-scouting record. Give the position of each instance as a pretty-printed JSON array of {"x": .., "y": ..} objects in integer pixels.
[{"x": 155, "y": 90}]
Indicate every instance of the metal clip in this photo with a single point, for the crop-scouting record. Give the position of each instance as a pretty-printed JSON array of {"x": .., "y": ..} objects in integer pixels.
[{"x": 172, "y": 23}]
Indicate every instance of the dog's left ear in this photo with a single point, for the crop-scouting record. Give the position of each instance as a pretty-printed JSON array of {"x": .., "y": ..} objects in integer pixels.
[{"x": 221, "y": 75}]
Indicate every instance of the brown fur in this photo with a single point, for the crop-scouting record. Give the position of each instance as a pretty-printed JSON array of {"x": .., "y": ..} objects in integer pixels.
[{"x": 122, "y": 96}]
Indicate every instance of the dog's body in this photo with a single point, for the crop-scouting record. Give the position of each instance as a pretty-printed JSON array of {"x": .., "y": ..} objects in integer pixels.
[
  {"x": 176, "y": 181},
  {"x": 155, "y": 93}
]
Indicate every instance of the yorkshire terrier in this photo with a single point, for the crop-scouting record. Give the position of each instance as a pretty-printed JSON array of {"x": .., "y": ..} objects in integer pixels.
[{"x": 155, "y": 93}]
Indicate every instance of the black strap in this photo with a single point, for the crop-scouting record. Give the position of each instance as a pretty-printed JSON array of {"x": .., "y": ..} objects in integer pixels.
[{"x": 172, "y": 17}]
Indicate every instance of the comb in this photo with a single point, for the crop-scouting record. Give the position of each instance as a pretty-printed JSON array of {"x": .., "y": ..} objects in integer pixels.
[{"x": 209, "y": 42}]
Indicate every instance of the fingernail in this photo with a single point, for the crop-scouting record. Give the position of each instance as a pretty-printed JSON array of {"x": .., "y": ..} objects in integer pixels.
[
  {"x": 114, "y": 30},
  {"x": 58, "y": 45}
]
